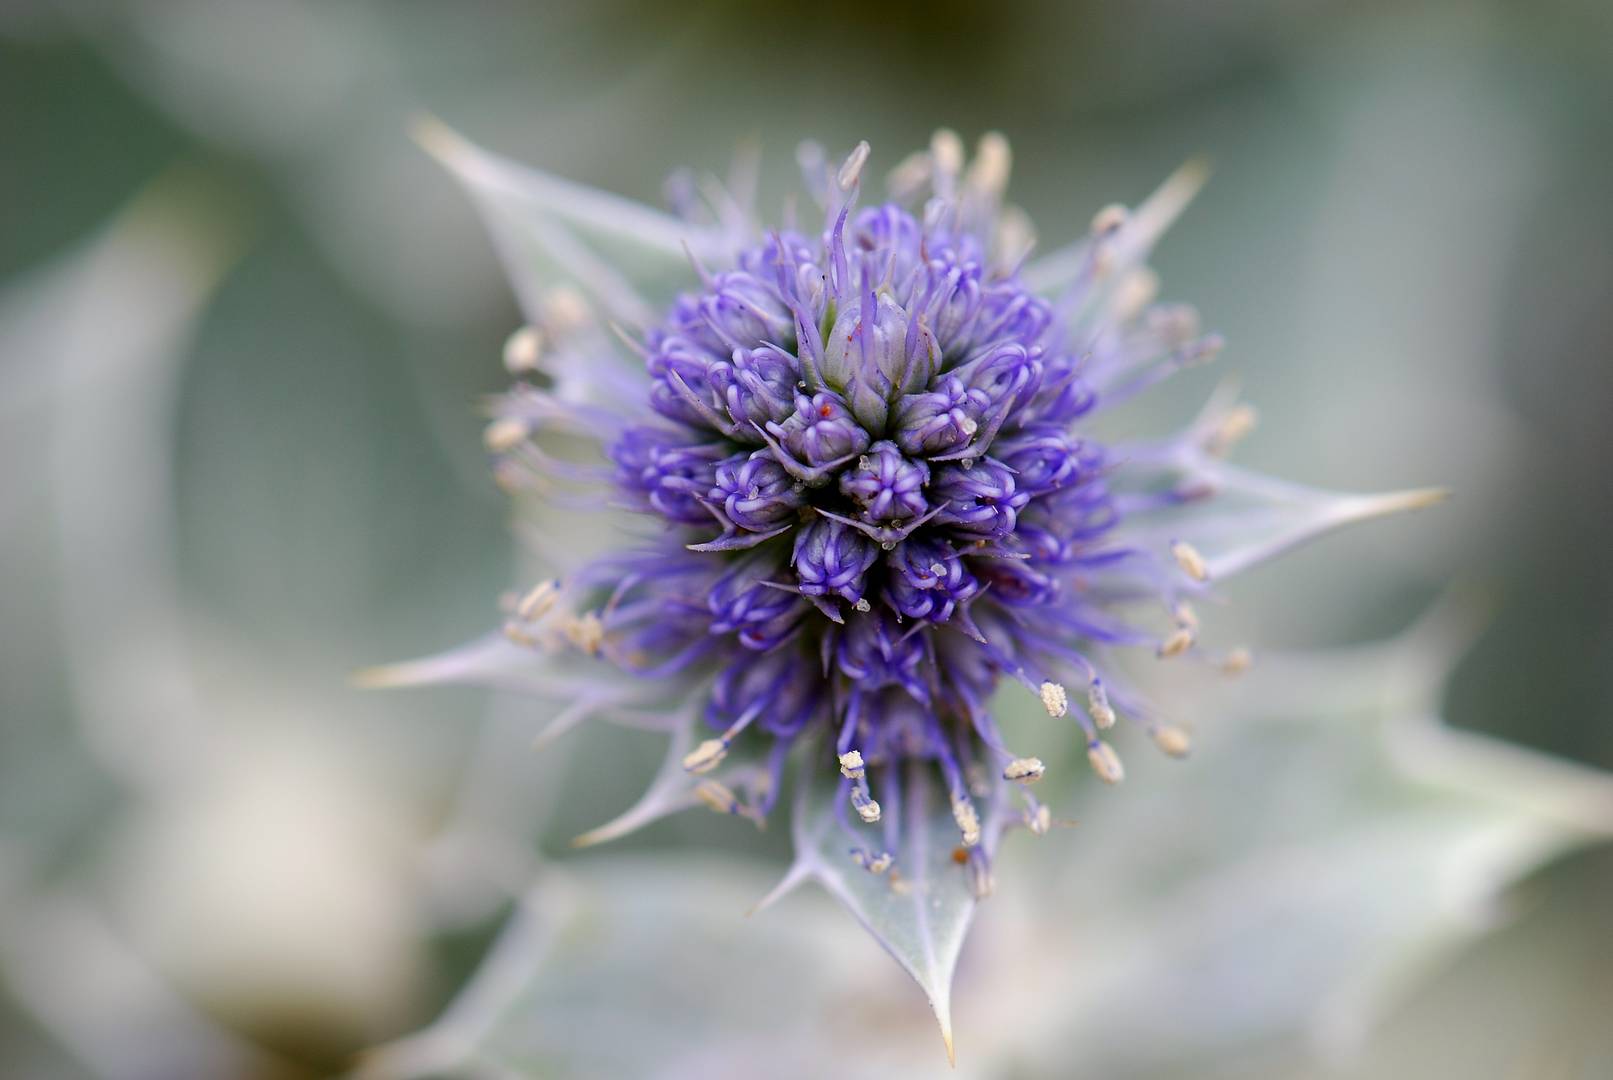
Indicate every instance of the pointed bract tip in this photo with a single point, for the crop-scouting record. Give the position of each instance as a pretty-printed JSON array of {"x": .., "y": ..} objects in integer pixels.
[
  {"x": 1396, "y": 502},
  {"x": 1419, "y": 498},
  {"x": 1195, "y": 172},
  {"x": 792, "y": 878},
  {"x": 591, "y": 837},
  {"x": 946, "y": 1037},
  {"x": 384, "y": 677},
  {"x": 612, "y": 830},
  {"x": 435, "y": 137}
]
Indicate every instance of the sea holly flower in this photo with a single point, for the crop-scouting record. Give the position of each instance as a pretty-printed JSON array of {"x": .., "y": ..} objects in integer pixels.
[{"x": 863, "y": 441}]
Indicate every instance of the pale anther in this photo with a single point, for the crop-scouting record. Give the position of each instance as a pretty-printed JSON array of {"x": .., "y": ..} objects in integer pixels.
[
  {"x": 537, "y": 602},
  {"x": 504, "y": 434},
  {"x": 705, "y": 757},
  {"x": 522, "y": 350},
  {"x": 586, "y": 632},
  {"x": 852, "y": 169},
  {"x": 963, "y": 812},
  {"x": 1098, "y": 705},
  {"x": 717, "y": 795},
  {"x": 1176, "y": 643},
  {"x": 1026, "y": 770},
  {"x": 1105, "y": 762},
  {"x": 1188, "y": 558},
  {"x": 1172, "y": 740}
]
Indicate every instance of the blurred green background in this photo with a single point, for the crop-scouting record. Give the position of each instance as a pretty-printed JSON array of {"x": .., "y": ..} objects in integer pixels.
[{"x": 1408, "y": 242}]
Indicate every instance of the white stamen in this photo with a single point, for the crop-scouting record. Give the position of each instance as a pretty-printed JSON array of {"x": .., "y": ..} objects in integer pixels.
[
  {"x": 963, "y": 812},
  {"x": 988, "y": 173},
  {"x": 717, "y": 795},
  {"x": 969, "y": 425},
  {"x": 1185, "y": 615},
  {"x": 1237, "y": 661},
  {"x": 909, "y": 175},
  {"x": 537, "y": 603},
  {"x": 1177, "y": 323},
  {"x": 564, "y": 311},
  {"x": 1054, "y": 699},
  {"x": 981, "y": 882},
  {"x": 1188, "y": 558},
  {"x": 519, "y": 634},
  {"x": 1015, "y": 238},
  {"x": 1098, "y": 705},
  {"x": 851, "y": 764},
  {"x": 586, "y": 632},
  {"x": 1135, "y": 292},
  {"x": 1173, "y": 740},
  {"x": 937, "y": 569},
  {"x": 1039, "y": 821},
  {"x": 1105, "y": 762},
  {"x": 866, "y": 808},
  {"x": 510, "y": 477},
  {"x": 852, "y": 169},
  {"x": 874, "y": 864},
  {"x": 1109, "y": 219},
  {"x": 977, "y": 779},
  {"x": 1176, "y": 643},
  {"x": 705, "y": 757},
  {"x": 946, "y": 149},
  {"x": 863, "y": 605},
  {"x": 504, "y": 434},
  {"x": 1233, "y": 427},
  {"x": 1026, "y": 770},
  {"x": 522, "y": 350}
]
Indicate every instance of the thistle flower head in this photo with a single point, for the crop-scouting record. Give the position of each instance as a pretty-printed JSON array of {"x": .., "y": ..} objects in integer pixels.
[
  {"x": 842, "y": 434},
  {"x": 864, "y": 449}
]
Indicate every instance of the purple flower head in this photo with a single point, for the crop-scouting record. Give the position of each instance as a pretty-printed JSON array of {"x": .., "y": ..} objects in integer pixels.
[
  {"x": 873, "y": 494},
  {"x": 681, "y": 385},
  {"x": 940, "y": 420},
  {"x": 756, "y": 492},
  {"x": 748, "y": 603},
  {"x": 666, "y": 472},
  {"x": 738, "y": 311},
  {"x": 928, "y": 580},
  {"x": 1045, "y": 458},
  {"x": 820, "y": 432},
  {"x": 979, "y": 497},
  {"x": 757, "y": 388},
  {"x": 832, "y": 559},
  {"x": 876, "y": 652},
  {"x": 887, "y": 486}
]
